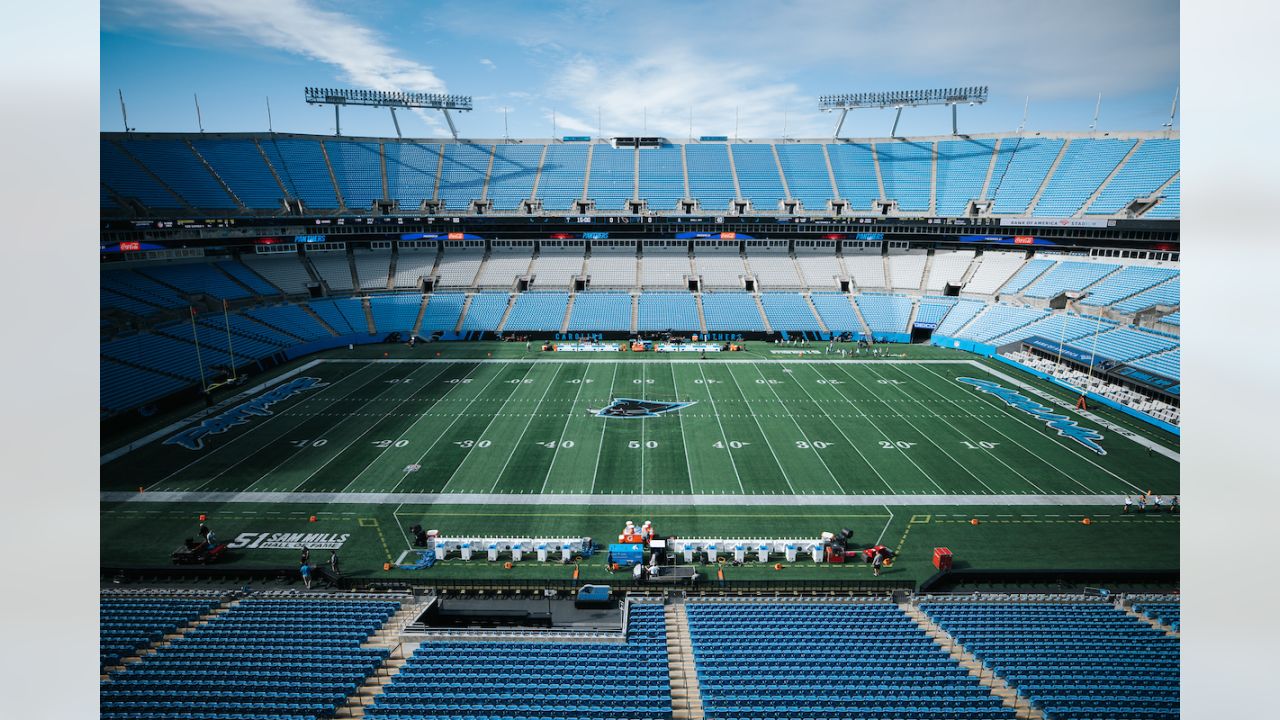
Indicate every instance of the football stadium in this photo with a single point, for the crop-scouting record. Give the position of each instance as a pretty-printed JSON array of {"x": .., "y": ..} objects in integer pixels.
[{"x": 609, "y": 426}]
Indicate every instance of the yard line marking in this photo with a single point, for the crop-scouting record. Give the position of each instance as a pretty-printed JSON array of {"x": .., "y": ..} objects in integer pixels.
[
  {"x": 1007, "y": 411},
  {"x": 277, "y": 437},
  {"x": 968, "y": 437},
  {"x": 455, "y": 419},
  {"x": 883, "y": 434},
  {"x": 616, "y": 499},
  {"x": 1057, "y": 469},
  {"x": 926, "y": 437},
  {"x": 527, "y": 423},
  {"x": 723, "y": 436},
  {"x": 642, "y": 397},
  {"x": 684, "y": 443},
  {"x": 886, "y": 524},
  {"x": 364, "y": 434},
  {"x": 250, "y": 429},
  {"x": 467, "y": 455},
  {"x": 803, "y": 435},
  {"x": 761, "y": 429},
  {"x": 582, "y": 382},
  {"x": 842, "y": 434},
  {"x": 604, "y": 424},
  {"x": 345, "y": 418}
]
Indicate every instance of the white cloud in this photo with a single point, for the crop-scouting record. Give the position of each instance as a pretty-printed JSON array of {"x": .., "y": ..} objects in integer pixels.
[
  {"x": 659, "y": 89},
  {"x": 488, "y": 63},
  {"x": 298, "y": 27}
]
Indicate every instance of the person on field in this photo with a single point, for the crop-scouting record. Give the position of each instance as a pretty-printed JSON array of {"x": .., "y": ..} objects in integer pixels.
[
  {"x": 306, "y": 575},
  {"x": 1173, "y": 504},
  {"x": 876, "y": 562},
  {"x": 1128, "y": 503},
  {"x": 306, "y": 555},
  {"x": 1155, "y": 503},
  {"x": 333, "y": 563},
  {"x": 1142, "y": 503}
]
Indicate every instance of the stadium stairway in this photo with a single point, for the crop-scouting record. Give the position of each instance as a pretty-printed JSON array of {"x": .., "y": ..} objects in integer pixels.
[
  {"x": 808, "y": 299},
  {"x": 157, "y": 370},
  {"x": 511, "y": 303},
  {"x": 253, "y": 273},
  {"x": 928, "y": 266},
  {"x": 866, "y": 329},
  {"x": 568, "y": 310},
  {"x": 462, "y": 314},
  {"x": 391, "y": 268},
  {"x": 164, "y": 642},
  {"x": 1128, "y": 610},
  {"x": 997, "y": 684},
  {"x": 205, "y": 163},
  {"x": 875, "y": 160},
  {"x": 702, "y": 319},
  {"x": 307, "y": 308},
  {"x": 168, "y": 639},
  {"x": 368, "y": 315},
  {"x": 1107, "y": 180},
  {"x": 388, "y": 638},
  {"x": 635, "y": 314},
  {"x": 888, "y": 273},
  {"x": 733, "y": 171},
  {"x": 299, "y": 339},
  {"x": 686, "y": 696},
  {"x": 422, "y": 311},
  {"x": 333, "y": 178},
  {"x": 760, "y": 308},
  {"x": 933, "y": 191},
  {"x": 1035, "y": 200}
]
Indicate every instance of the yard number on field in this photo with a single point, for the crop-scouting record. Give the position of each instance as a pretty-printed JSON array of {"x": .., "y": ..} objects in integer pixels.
[
  {"x": 472, "y": 443},
  {"x": 984, "y": 445},
  {"x": 896, "y": 445},
  {"x": 309, "y": 443}
]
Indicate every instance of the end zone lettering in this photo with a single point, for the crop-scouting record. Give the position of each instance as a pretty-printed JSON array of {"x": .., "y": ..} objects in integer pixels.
[
  {"x": 288, "y": 541},
  {"x": 193, "y": 438},
  {"x": 1065, "y": 426}
]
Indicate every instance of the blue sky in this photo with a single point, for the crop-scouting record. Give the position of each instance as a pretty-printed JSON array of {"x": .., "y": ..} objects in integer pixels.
[{"x": 637, "y": 67}]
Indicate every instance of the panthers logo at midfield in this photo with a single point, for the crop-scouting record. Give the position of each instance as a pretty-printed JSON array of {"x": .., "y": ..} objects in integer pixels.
[{"x": 631, "y": 408}]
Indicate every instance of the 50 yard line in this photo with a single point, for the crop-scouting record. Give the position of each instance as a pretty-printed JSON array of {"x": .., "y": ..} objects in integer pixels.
[{"x": 604, "y": 424}]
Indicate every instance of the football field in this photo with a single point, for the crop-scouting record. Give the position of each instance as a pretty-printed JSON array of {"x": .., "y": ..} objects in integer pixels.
[
  {"x": 485, "y": 440},
  {"x": 486, "y": 428}
]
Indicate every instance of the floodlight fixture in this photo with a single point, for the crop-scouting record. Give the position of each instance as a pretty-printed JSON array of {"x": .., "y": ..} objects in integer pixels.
[
  {"x": 391, "y": 99},
  {"x": 899, "y": 99}
]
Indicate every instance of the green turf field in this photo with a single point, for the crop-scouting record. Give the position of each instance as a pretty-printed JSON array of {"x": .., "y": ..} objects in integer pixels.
[{"x": 504, "y": 440}]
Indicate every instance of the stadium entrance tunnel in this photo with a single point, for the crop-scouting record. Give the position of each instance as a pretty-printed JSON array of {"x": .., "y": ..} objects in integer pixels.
[{"x": 921, "y": 334}]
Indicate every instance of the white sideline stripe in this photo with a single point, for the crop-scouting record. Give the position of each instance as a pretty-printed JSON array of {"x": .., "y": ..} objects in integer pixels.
[
  {"x": 233, "y": 400},
  {"x": 366, "y": 498},
  {"x": 749, "y": 359}
]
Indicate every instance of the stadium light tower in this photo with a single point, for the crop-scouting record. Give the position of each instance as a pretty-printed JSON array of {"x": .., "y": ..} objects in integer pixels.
[
  {"x": 379, "y": 98},
  {"x": 899, "y": 99}
]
